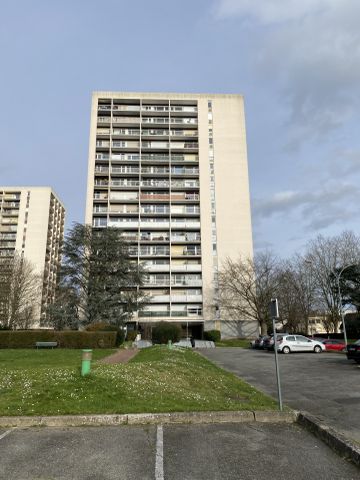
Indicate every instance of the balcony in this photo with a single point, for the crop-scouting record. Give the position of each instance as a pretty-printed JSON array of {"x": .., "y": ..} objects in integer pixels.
[
  {"x": 154, "y": 238},
  {"x": 5, "y": 244},
  {"x": 126, "y": 132},
  {"x": 185, "y": 237},
  {"x": 124, "y": 183},
  {"x": 125, "y": 170},
  {"x": 166, "y": 197},
  {"x": 185, "y": 184},
  {"x": 125, "y": 144},
  {"x": 147, "y": 313},
  {"x": 155, "y": 183},
  {"x": 155, "y": 170},
  {"x": 124, "y": 223},
  {"x": 126, "y": 120},
  {"x": 184, "y": 171},
  {"x": 126, "y": 108},
  {"x": 186, "y": 298},
  {"x": 101, "y": 183},
  {"x": 186, "y": 282},
  {"x": 183, "y": 133},
  {"x": 104, "y": 120},
  {"x": 127, "y": 157},
  {"x": 159, "y": 299},
  {"x": 99, "y": 169},
  {"x": 186, "y": 268},
  {"x": 160, "y": 251},
  {"x": 10, "y": 213},
  {"x": 156, "y": 225},
  {"x": 157, "y": 268},
  {"x": 184, "y": 225},
  {"x": 102, "y": 144},
  {"x": 148, "y": 209},
  {"x": 155, "y": 157}
]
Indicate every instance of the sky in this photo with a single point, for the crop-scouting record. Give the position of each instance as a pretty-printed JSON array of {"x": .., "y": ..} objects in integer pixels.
[{"x": 296, "y": 63}]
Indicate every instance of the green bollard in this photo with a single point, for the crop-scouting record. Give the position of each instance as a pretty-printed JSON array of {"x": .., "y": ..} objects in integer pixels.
[
  {"x": 169, "y": 344},
  {"x": 86, "y": 362}
]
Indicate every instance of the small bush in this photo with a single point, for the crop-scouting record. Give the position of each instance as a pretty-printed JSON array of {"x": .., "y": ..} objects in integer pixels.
[
  {"x": 164, "y": 331},
  {"x": 212, "y": 335},
  {"x": 106, "y": 327},
  {"x": 130, "y": 337},
  {"x": 65, "y": 339}
]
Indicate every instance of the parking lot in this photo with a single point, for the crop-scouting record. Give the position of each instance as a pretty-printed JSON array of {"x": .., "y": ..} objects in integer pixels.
[
  {"x": 181, "y": 452},
  {"x": 326, "y": 385}
]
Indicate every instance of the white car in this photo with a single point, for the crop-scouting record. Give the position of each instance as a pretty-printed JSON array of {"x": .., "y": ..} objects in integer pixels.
[{"x": 299, "y": 343}]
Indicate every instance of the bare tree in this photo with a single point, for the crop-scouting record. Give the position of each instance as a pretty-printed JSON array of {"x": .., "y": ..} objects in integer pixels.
[
  {"x": 246, "y": 287},
  {"x": 328, "y": 257},
  {"x": 297, "y": 294},
  {"x": 20, "y": 288}
]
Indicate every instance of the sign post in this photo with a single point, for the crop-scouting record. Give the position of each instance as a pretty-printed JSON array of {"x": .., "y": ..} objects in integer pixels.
[{"x": 274, "y": 312}]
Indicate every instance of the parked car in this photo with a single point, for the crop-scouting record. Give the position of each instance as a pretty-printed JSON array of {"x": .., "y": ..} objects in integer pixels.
[
  {"x": 259, "y": 342},
  {"x": 298, "y": 343},
  {"x": 269, "y": 341},
  {"x": 353, "y": 351},
  {"x": 333, "y": 344}
]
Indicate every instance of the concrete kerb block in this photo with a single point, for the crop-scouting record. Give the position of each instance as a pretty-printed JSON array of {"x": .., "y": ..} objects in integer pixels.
[
  {"x": 63, "y": 421},
  {"x": 340, "y": 444},
  {"x": 191, "y": 417},
  {"x": 275, "y": 416}
]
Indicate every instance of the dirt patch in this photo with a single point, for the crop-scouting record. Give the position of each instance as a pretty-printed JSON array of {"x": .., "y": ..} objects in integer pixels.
[{"x": 122, "y": 356}]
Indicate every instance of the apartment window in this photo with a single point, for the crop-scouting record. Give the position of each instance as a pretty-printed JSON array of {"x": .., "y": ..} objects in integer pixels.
[{"x": 100, "y": 222}]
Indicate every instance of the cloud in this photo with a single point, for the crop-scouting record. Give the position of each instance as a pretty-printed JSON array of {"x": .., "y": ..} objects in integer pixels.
[
  {"x": 270, "y": 11},
  {"x": 317, "y": 209},
  {"x": 308, "y": 52}
]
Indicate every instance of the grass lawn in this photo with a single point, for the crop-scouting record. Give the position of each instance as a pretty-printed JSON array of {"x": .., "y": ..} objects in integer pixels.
[
  {"x": 234, "y": 342},
  {"x": 48, "y": 382}
]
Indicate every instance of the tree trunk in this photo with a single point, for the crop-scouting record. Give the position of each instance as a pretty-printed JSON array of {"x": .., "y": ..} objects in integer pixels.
[{"x": 263, "y": 327}]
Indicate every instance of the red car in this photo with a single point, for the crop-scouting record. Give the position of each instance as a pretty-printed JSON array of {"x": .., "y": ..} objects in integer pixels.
[{"x": 332, "y": 344}]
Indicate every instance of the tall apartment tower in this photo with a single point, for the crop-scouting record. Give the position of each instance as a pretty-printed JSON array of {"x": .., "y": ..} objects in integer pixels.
[
  {"x": 170, "y": 170},
  {"x": 32, "y": 223}
]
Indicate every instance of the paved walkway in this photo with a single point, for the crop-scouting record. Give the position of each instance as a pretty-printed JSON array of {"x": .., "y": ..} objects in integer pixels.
[{"x": 121, "y": 356}]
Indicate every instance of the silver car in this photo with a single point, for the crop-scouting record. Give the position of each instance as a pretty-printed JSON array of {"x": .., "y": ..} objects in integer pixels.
[{"x": 299, "y": 343}]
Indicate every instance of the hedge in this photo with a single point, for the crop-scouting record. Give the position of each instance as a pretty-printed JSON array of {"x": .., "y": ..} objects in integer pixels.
[
  {"x": 106, "y": 327},
  {"x": 212, "y": 335},
  {"x": 164, "y": 331},
  {"x": 65, "y": 339}
]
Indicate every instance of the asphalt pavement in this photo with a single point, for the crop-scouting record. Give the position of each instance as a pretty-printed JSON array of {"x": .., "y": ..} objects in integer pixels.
[
  {"x": 326, "y": 385},
  {"x": 178, "y": 452}
]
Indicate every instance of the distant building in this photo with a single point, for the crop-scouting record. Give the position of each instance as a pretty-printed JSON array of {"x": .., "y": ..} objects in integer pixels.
[
  {"x": 32, "y": 223},
  {"x": 170, "y": 170}
]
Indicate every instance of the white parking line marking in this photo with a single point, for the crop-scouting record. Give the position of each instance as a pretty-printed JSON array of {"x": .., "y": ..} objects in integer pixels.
[
  {"x": 159, "y": 460},
  {"x": 3, "y": 435}
]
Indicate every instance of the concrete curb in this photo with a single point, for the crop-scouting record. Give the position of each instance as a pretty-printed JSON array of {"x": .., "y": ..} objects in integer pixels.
[
  {"x": 340, "y": 444},
  {"x": 150, "y": 419},
  {"x": 336, "y": 441}
]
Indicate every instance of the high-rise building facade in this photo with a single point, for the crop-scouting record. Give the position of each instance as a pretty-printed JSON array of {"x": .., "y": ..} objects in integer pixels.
[
  {"x": 32, "y": 224},
  {"x": 170, "y": 170}
]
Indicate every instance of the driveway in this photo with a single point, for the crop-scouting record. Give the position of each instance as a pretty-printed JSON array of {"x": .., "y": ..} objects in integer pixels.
[
  {"x": 177, "y": 452},
  {"x": 326, "y": 385}
]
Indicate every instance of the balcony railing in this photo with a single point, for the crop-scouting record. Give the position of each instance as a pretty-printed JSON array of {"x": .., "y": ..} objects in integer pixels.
[
  {"x": 125, "y": 170},
  {"x": 126, "y": 132},
  {"x": 165, "y": 196},
  {"x": 126, "y": 108},
  {"x": 135, "y": 120}
]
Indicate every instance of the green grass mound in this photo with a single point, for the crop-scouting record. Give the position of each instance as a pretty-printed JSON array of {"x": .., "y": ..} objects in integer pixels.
[{"x": 158, "y": 379}]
